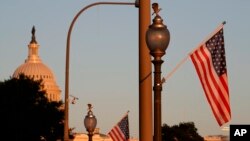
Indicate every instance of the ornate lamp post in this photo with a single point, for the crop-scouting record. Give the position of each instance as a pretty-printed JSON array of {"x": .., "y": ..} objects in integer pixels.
[
  {"x": 90, "y": 122},
  {"x": 157, "y": 39}
]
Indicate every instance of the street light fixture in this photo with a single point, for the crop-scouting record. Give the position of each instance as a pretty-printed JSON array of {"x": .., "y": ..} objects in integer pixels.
[
  {"x": 90, "y": 122},
  {"x": 145, "y": 89},
  {"x": 157, "y": 39}
]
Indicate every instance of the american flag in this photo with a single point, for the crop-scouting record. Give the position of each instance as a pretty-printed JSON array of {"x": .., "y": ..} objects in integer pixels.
[
  {"x": 120, "y": 132},
  {"x": 210, "y": 64}
]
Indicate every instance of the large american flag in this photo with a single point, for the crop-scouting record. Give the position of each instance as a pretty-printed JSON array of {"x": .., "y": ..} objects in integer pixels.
[
  {"x": 210, "y": 64},
  {"x": 120, "y": 132}
]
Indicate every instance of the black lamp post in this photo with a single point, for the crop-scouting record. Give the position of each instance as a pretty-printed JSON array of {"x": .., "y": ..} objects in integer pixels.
[
  {"x": 90, "y": 122},
  {"x": 157, "y": 39}
]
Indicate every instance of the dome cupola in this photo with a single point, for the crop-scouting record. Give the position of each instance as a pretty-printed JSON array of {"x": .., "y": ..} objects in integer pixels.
[{"x": 34, "y": 68}]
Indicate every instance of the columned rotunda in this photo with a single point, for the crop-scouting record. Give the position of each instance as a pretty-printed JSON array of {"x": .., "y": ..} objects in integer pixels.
[{"x": 34, "y": 68}]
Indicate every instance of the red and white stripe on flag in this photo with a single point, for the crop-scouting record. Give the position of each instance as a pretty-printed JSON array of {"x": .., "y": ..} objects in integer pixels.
[
  {"x": 210, "y": 64},
  {"x": 116, "y": 134}
]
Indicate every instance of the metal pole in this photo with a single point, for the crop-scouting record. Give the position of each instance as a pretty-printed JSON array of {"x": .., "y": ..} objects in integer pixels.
[
  {"x": 145, "y": 76},
  {"x": 90, "y": 136},
  {"x": 66, "y": 107},
  {"x": 157, "y": 98}
]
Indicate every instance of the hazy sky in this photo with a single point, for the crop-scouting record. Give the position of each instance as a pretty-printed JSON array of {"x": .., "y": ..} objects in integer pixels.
[{"x": 104, "y": 56}]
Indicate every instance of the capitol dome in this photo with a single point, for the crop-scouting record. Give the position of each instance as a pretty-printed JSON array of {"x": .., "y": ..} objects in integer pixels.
[{"x": 34, "y": 68}]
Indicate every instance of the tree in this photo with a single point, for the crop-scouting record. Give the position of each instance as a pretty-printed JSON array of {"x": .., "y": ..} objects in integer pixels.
[
  {"x": 26, "y": 112},
  {"x": 185, "y": 131}
]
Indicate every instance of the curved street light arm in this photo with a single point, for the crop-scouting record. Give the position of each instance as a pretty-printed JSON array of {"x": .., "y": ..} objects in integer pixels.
[{"x": 66, "y": 109}]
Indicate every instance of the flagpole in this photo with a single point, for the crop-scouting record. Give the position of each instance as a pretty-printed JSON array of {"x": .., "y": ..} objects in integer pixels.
[{"x": 164, "y": 79}]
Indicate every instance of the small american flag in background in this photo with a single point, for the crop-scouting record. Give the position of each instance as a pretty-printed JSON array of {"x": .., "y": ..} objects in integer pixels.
[
  {"x": 210, "y": 64},
  {"x": 120, "y": 132}
]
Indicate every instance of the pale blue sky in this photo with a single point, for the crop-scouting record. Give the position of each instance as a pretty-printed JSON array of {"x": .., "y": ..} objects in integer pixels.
[{"x": 104, "y": 56}]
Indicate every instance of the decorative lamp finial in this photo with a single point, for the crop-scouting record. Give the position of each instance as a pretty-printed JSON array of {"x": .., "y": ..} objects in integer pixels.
[
  {"x": 90, "y": 107},
  {"x": 156, "y": 9},
  {"x": 33, "y": 38}
]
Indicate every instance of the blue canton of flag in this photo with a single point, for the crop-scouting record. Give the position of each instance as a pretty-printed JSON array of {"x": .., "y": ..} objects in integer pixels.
[
  {"x": 216, "y": 47},
  {"x": 124, "y": 126}
]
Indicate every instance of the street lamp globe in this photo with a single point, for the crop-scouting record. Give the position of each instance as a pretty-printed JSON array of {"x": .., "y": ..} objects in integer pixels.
[
  {"x": 157, "y": 37},
  {"x": 90, "y": 122}
]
